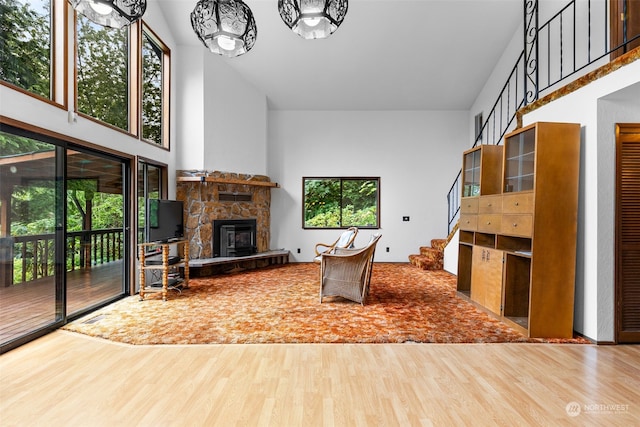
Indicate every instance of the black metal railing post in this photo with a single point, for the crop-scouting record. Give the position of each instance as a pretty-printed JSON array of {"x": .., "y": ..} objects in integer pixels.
[{"x": 530, "y": 51}]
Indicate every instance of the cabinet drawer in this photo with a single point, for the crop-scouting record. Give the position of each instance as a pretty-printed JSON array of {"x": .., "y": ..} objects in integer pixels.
[
  {"x": 490, "y": 204},
  {"x": 468, "y": 222},
  {"x": 469, "y": 205},
  {"x": 517, "y": 203},
  {"x": 489, "y": 223},
  {"x": 517, "y": 225}
]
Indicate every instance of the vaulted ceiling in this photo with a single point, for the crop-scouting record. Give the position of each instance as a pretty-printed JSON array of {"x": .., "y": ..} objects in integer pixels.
[{"x": 387, "y": 55}]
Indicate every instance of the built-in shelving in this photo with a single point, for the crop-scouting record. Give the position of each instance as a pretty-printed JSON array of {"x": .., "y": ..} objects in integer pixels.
[{"x": 518, "y": 245}]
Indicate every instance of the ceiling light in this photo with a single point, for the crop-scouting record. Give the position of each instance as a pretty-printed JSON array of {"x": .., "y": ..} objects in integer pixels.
[
  {"x": 226, "y": 27},
  {"x": 111, "y": 13},
  {"x": 313, "y": 19}
]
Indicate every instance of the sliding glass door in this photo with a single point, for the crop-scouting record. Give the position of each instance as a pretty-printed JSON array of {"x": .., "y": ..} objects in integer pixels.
[
  {"x": 31, "y": 297},
  {"x": 95, "y": 238},
  {"x": 63, "y": 233}
]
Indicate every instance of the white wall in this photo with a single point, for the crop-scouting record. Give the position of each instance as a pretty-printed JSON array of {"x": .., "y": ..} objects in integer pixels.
[
  {"x": 235, "y": 120},
  {"x": 451, "y": 254},
  {"x": 597, "y": 107},
  {"x": 488, "y": 96},
  {"x": 190, "y": 114},
  {"x": 416, "y": 155},
  {"x": 222, "y": 119}
]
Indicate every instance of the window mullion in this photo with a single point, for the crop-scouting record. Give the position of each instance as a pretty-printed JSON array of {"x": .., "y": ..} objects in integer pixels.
[
  {"x": 135, "y": 78},
  {"x": 341, "y": 206}
]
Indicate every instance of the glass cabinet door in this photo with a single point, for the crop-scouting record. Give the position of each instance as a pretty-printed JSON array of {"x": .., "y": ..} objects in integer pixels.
[
  {"x": 519, "y": 162},
  {"x": 471, "y": 184}
]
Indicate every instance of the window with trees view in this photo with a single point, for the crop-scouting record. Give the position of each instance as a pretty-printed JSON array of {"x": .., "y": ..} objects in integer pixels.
[
  {"x": 153, "y": 80},
  {"x": 102, "y": 67},
  {"x": 122, "y": 75},
  {"x": 341, "y": 202},
  {"x": 25, "y": 45}
]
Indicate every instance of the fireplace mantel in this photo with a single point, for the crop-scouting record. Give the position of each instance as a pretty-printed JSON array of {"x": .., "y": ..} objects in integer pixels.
[{"x": 220, "y": 180}]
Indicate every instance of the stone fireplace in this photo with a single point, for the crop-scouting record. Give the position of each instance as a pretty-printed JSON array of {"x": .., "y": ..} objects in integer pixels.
[{"x": 223, "y": 196}]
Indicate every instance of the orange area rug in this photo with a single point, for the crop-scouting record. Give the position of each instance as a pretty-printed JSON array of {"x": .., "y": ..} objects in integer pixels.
[{"x": 281, "y": 305}]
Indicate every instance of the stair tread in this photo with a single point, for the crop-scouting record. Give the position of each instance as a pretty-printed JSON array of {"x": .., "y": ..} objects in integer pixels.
[{"x": 430, "y": 257}]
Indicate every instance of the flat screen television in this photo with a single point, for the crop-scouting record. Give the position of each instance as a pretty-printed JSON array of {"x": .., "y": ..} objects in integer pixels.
[{"x": 164, "y": 220}]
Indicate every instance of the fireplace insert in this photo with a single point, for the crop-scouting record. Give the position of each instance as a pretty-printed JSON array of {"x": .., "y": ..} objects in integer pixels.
[{"x": 232, "y": 238}]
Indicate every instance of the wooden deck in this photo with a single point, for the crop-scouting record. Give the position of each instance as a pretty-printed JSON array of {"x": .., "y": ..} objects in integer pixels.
[{"x": 30, "y": 306}]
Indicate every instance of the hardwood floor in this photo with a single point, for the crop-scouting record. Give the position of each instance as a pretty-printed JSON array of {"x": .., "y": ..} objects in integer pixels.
[{"x": 74, "y": 380}]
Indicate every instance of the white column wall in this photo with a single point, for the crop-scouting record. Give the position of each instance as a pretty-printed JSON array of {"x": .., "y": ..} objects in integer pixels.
[
  {"x": 190, "y": 113},
  {"x": 221, "y": 118},
  {"x": 415, "y": 154},
  {"x": 235, "y": 121},
  {"x": 597, "y": 107}
]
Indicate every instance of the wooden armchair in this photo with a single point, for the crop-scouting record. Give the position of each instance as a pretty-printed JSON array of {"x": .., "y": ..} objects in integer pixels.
[
  {"x": 347, "y": 272},
  {"x": 344, "y": 241}
]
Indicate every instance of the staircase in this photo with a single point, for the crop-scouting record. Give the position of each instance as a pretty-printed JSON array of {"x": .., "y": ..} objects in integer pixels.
[{"x": 430, "y": 257}]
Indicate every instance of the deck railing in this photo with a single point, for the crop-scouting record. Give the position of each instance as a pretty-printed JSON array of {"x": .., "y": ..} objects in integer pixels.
[
  {"x": 573, "y": 39},
  {"x": 33, "y": 255}
]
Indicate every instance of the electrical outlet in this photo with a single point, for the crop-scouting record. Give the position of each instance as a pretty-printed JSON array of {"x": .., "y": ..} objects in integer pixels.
[
  {"x": 298, "y": 250},
  {"x": 405, "y": 218},
  {"x": 387, "y": 248}
]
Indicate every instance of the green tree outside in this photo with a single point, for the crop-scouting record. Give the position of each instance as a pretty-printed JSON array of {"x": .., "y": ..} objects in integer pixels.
[
  {"x": 102, "y": 66},
  {"x": 151, "y": 90},
  {"x": 25, "y": 45},
  {"x": 336, "y": 202}
]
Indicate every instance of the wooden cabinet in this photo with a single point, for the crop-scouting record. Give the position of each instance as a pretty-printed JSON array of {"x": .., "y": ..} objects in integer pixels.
[
  {"x": 481, "y": 176},
  {"x": 481, "y": 172},
  {"x": 167, "y": 266},
  {"x": 531, "y": 226},
  {"x": 486, "y": 278}
]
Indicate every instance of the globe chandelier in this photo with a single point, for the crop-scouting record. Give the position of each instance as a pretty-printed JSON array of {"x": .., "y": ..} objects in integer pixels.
[
  {"x": 313, "y": 19},
  {"x": 226, "y": 27},
  {"x": 111, "y": 13}
]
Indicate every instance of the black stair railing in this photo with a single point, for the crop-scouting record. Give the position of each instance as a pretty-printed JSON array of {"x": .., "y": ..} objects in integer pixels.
[
  {"x": 499, "y": 120},
  {"x": 573, "y": 39}
]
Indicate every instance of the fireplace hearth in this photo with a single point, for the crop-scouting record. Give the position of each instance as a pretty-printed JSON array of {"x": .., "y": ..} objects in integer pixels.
[{"x": 234, "y": 237}]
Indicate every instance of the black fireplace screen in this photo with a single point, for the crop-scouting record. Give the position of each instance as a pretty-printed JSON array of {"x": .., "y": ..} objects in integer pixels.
[{"x": 233, "y": 238}]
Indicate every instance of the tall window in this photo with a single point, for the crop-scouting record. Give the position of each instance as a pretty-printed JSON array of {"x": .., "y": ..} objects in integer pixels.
[
  {"x": 102, "y": 67},
  {"x": 25, "y": 45},
  {"x": 150, "y": 186},
  {"x": 154, "y": 80},
  {"x": 341, "y": 202}
]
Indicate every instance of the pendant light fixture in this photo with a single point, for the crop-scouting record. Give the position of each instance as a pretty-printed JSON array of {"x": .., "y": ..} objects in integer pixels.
[
  {"x": 313, "y": 19},
  {"x": 111, "y": 13},
  {"x": 226, "y": 27}
]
